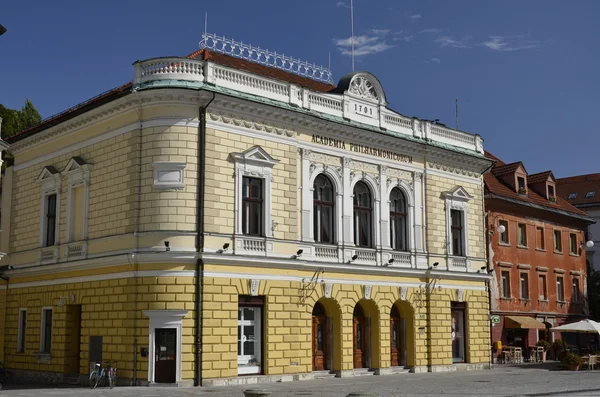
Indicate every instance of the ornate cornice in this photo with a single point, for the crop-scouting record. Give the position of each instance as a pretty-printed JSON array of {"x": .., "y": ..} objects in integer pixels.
[{"x": 111, "y": 110}]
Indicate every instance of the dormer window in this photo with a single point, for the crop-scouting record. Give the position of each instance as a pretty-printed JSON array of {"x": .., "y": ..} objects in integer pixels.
[
  {"x": 551, "y": 196},
  {"x": 590, "y": 194},
  {"x": 521, "y": 189},
  {"x": 572, "y": 195}
]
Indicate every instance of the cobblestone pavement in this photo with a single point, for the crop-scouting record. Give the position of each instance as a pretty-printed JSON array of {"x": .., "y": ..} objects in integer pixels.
[{"x": 502, "y": 381}]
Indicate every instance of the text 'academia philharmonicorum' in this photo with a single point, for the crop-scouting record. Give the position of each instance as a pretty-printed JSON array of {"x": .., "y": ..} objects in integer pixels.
[{"x": 353, "y": 147}]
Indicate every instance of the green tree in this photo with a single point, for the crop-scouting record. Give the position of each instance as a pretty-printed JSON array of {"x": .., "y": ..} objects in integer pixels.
[
  {"x": 14, "y": 120},
  {"x": 593, "y": 290}
]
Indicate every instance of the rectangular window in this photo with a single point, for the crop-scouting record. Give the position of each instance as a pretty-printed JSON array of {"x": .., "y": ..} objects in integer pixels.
[
  {"x": 77, "y": 214},
  {"x": 550, "y": 192},
  {"x": 252, "y": 206},
  {"x": 506, "y": 284},
  {"x": 543, "y": 287},
  {"x": 557, "y": 241},
  {"x": 46, "y": 339},
  {"x": 504, "y": 236},
  {"x": 522, "y": 229},
  {"x": 457, "y": 231},
  {"x": 50, "y": 220},
  {"x": 590, "y": 194},
  {"x": 524, "y": 286},
  {"x": 575, "y": 290},
  {"x": 250, "y": 313},
  {"x": 572, "y": 195},
  {"x": 573, "y": 243},
  {"x": 22, "y": 330},
  {"x": 521, "y": 182},
  {"x": 539, "y": 238},
  {"x": 560, "y": 289}
]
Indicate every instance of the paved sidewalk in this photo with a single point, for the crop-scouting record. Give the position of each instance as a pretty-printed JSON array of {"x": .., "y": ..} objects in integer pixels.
[{"x": 502, "y": 381}]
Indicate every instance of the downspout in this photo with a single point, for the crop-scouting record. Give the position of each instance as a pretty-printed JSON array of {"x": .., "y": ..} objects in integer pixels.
[
  {"x": 136, "y": 233},
  {"x": 199, "y": 303},
  {"x": 5, "y": 278}
]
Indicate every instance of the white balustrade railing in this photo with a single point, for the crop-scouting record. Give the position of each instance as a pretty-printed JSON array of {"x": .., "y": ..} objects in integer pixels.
[
  {"x": 168, "y": 69},
  {"x": 326, "y": 252},
  {"x": 366, "y": 255},
  {"x": 460, "y": 263},
  {"x": 401, "y": 258},
  {"x": 452, "y": 137},
  {"x": 332, "y": 104},
  {"x": 254, "y": 245}
]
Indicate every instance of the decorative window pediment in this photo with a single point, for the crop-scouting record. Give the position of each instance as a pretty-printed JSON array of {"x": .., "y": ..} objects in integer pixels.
[
  {"x": 255, "y": 156},
  {"x": 77, "y": 170},
  {"x": 458, "y": 194},
  {"x": 49, "y": 178}
]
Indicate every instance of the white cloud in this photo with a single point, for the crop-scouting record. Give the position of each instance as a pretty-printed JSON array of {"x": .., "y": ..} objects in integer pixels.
[
  {"x": 408, "y": 39},
  {"x": 364, "y": 44},
  {"x": 342, "y": 4},
  {"x": 415, "y": 17},
  {"x": 380, "y": 32},
  {"x": 430, "y": 30},
  {"x": 510, "y": 43},
  {"x": 451, "y": 42},
  {"x": 435, "y": 60}
]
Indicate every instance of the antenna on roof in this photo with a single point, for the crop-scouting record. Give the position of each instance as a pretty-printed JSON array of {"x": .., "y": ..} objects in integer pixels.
[
  {"x": 329, "y": 60},
  {"x": 205, "y": 25},
  {"x": 456, "y": 102},
  {"x": 352, "y": 31}
]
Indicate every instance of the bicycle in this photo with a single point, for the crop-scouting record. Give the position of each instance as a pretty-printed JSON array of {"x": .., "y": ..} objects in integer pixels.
[{"x": 104, "y": 375}]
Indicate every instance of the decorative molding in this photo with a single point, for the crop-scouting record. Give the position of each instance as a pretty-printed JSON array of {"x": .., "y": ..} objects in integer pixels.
[
  {"x": 399, "y": 174},
  {"x": 323, "y": 158},
  {"x": 523, "y": 266},
  {"x": 403, "y": 291},
  {"x": 265, "y": 57},
  {"x": 575, "y": 273},
  {"x": 504, "y": 264},
  {"x": 541, "y": 269},
  {"x": 367, "y": 291},
  {"x": 328, "y": 288},
  {"x": 453, "y": 169},
  {"x": 254, "y": 284},
  {"x": 169, "y": 175},
  {"x": 364, "y": 167},
  {"x": 460, "y": 294},
  {"x": 560, "y": 271},
  {"x": 239, "y": 122}
]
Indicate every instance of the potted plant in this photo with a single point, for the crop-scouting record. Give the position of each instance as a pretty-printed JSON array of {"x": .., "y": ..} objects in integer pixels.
[
  {"x": 559, "y": 347},
  {"x": 552, "y": 199},
  {"x": 572, "y": 361},
  {"x": 522, "y": 190},
  {"x": 546, "y": 345}
]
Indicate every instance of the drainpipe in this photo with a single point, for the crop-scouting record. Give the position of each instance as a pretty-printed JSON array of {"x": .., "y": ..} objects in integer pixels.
[
  {"x": 200, "y": 238},
  {"x": 5, "y": 278}
]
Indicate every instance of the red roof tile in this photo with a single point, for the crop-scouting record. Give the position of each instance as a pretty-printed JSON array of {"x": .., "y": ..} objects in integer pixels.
[
  {"x": 261, "y": 70},
  {"x": 507, "y": 168},
  {"x": 496, "y": 159},
  {"x": 539, "y": 177},
  {"x": 497, "y": 187},
  {"x": 581, "y": 185}
]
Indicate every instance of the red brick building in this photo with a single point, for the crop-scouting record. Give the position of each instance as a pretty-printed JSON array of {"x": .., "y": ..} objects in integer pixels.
[{"x": 536, "y": 254}]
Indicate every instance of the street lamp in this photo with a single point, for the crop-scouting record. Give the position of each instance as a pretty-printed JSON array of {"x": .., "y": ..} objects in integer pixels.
[{"x": 2, "y": 30}]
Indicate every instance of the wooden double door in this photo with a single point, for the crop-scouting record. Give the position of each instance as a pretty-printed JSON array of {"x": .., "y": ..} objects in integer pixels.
[
  {"x": 359, "y": 337},
  {"x": 320, "y": 339},
  {"x": 396, "y": 339}
]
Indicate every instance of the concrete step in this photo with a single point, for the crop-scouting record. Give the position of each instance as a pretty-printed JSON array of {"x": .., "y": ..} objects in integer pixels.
[
  {"x": 363, "y": 372},
  {"x": 400, "y": 370},
  {"x": 323, "y": 375}
]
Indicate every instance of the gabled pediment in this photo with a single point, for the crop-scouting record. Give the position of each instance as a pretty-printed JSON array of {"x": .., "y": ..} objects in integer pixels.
[
  {"x": 458, "y": 193},
  {"x": 256, "y": 155},
  {"x": 48, "y": 173},
  {"x": 76, "y": 164},
  {"x": 362, "y": 85}
]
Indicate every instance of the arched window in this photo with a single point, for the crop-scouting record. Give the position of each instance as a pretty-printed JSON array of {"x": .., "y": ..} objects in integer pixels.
[
  {"x": 363, "y": 208},
  {"x": 323, "y": 209},
  {"x": 398, "y": 234}
]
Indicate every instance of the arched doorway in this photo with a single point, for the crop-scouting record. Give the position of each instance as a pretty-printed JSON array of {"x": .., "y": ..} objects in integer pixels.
[
  {"x": 359, "y": 328},
  {"x": 320, "y": 339},
  {"x": 397, "y": 338}
]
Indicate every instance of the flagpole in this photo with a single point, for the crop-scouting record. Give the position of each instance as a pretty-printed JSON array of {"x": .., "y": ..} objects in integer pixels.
[{"x": 352, "y": 27}]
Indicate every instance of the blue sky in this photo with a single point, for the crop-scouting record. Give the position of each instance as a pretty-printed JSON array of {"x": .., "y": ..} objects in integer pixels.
[{"x": 527, "y": 71}]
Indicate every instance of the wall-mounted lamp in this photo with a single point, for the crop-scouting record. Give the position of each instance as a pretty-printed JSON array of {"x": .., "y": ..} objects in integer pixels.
[
  {"x": 434, "y": 266},
  {"x": 483, "y": 268},
  {"x": 167, "y": 248},
  {"x": 588, "y": 244},
  {"x": 501, "y": 228},
  {"x": 354, "y": 257},
  {"x": 221, "y": 250},
  {"x": 298, "y": 253}
]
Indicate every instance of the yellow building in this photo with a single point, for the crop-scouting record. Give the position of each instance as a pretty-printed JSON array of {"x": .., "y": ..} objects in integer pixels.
[{"x": 217, "y": 220}]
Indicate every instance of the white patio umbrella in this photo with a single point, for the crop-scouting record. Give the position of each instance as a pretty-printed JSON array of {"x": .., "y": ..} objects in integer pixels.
[{"x": 584, "y": 326}]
